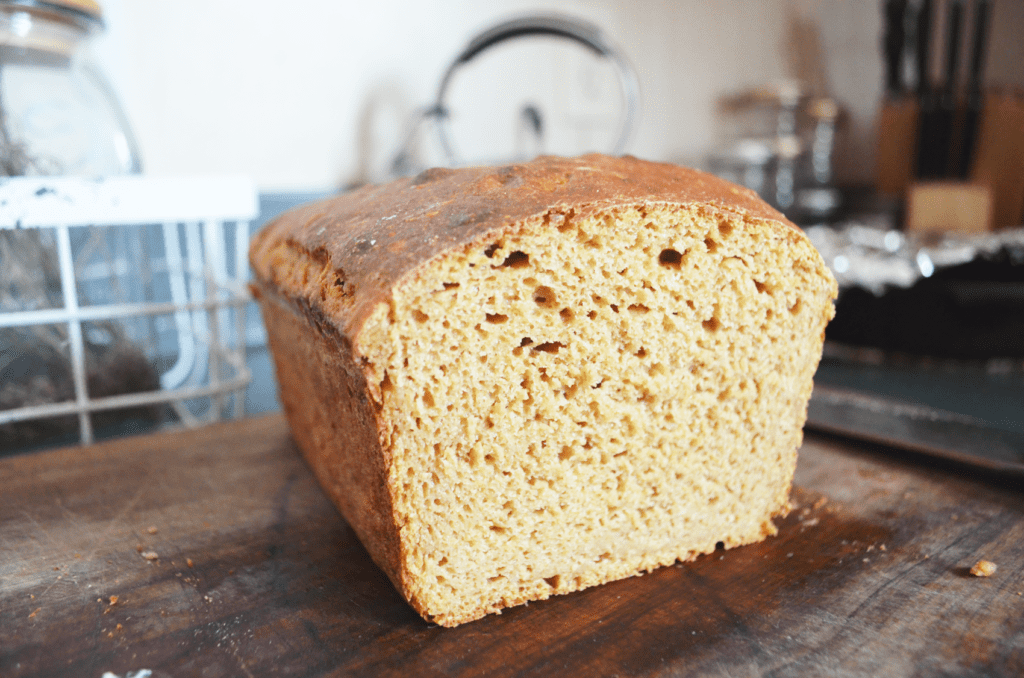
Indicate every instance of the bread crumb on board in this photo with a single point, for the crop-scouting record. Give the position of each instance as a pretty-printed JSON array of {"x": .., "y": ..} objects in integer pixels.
[
  {"x": 150, "y": 555},
  {"x": 984, "y": 568}
]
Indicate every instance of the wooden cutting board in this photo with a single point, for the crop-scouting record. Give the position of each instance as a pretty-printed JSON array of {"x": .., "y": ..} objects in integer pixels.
[{"x": 214, "y": 553}]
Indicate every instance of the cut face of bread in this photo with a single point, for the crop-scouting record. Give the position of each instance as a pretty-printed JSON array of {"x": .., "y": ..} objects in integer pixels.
[
  {"x": 593, "y": 395},
  {"x": 577, "y": 397}
]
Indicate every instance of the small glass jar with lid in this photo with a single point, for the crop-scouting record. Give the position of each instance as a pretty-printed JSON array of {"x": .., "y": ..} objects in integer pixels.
[{"x": 58, "y": 115}]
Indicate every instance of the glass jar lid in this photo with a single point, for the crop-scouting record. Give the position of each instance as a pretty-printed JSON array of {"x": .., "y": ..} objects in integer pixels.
[{"x": 86, "y": 13}]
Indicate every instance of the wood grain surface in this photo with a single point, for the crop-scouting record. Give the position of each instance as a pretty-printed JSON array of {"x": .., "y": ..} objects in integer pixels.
[{"x": 214, "y": 553}]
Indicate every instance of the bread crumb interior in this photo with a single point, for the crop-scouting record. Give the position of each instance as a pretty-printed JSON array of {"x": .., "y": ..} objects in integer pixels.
[{"x": 593, "y": 394}]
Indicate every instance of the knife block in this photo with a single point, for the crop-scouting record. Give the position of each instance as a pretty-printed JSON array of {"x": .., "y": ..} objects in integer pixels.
[
  {"x": 999, "y": 156},
  {"x": 897, "y": 141},
  {"x": 998, "y": 166},
  {"x": 948, "y": 207}
]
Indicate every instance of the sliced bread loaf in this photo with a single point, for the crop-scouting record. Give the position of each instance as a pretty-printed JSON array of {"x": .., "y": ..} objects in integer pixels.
[{"x": 523, "y": 381}]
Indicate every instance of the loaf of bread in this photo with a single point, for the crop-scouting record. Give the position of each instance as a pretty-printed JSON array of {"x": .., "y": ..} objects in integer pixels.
[{"x": 523, "y": 381}]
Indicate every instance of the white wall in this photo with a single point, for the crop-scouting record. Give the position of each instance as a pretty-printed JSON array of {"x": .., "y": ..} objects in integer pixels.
[{"x": 315, "y": 94}]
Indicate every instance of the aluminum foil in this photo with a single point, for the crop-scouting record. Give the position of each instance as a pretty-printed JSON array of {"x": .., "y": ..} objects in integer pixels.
[{"x": 876, "y": 257}]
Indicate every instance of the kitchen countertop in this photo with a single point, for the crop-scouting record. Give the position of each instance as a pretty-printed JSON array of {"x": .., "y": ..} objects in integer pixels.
[{"x": 213, "y": 552}]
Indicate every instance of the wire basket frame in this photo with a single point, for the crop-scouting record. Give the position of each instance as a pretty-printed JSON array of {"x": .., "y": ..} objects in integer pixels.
[{"x": 123, "y": 294}]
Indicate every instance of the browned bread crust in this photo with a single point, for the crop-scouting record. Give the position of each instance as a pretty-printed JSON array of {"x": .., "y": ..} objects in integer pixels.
[{"x": 375, "y": 235}]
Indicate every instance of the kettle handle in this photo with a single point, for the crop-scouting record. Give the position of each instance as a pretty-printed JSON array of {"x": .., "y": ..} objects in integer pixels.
[{"x": 586, "y": 34}]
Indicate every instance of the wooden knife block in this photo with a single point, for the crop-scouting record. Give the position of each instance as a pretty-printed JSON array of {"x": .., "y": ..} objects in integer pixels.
[
  {"x": 999, "y": 156},
  {"x": 948, "y": 207},
  {"x": 998, "y": 165},
  {"x": 897, "y": 145}
]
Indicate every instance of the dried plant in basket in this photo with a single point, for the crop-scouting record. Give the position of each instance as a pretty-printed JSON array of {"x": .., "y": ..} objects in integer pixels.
[{"x": 35, "y": 362}]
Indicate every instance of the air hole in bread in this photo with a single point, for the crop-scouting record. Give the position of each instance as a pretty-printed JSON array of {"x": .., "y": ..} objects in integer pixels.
[
  {"x": 670, "y": 258},
  {"x": 711, "y": 244},
  {"x": 544, "y": 297},
  {"x": 496, "y": 318},
  {"x": 638, "y": 308},
  {"x": 516, "y": 259},
  {"x": 420, "y": 316},
  {"x": 712, "y": 324},
  {"x": 549, "y": 347},
  {"x": 553, "y": 582},
  {"x": 567, "y": 315}
]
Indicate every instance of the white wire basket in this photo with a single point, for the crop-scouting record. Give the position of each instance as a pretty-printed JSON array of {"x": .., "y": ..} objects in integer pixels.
[{"x": 122, "y": 305}]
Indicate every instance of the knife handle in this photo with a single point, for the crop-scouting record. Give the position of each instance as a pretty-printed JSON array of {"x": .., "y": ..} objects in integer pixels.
[
  {"x": 894, "y": 42},
  {"x": 922, "y": 38},
  {"x": 973, "y": 104},
  {"x": 936, "y": 139},
  {"x": 956, "y": 11},
  {"x": 982, "y": 13},
  {"x": 925, "y": 101}
]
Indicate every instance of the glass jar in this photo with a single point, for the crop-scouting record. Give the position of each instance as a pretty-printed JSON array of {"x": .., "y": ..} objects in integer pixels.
[{"x": 58, "y": 115}]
